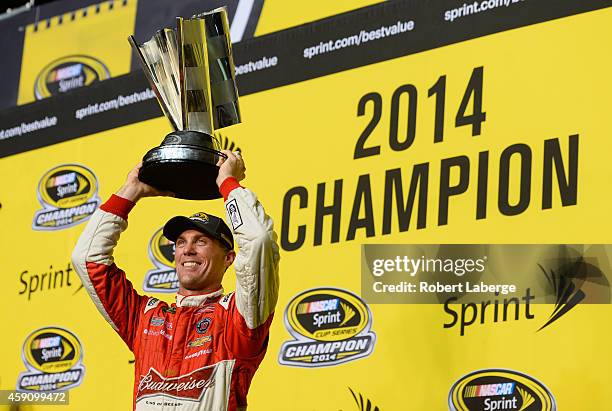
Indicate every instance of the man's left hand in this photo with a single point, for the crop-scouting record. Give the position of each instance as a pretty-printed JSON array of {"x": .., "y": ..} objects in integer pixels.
[{"x": 232, "y": 166}]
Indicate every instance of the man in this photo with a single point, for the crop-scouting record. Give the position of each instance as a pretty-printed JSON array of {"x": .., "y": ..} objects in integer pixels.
[{"x": 200, "y": 353}]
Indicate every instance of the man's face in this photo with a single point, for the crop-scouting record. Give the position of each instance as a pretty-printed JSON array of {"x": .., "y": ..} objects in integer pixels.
[{"x": 200, "y": 261}]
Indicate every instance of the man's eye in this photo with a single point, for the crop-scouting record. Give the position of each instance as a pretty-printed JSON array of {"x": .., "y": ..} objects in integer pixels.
[
  {"x": 202, "y": 241},
  {"x": 179, "y": 244}
]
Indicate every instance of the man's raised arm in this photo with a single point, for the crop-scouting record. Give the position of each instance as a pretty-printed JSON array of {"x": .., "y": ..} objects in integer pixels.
[
  {"x": 257, "y": 260},
  {"x": 110, "y": 290}
]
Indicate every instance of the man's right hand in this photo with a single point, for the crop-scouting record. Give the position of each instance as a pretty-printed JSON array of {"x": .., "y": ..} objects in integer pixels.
[{"x": 134, "y": 189}]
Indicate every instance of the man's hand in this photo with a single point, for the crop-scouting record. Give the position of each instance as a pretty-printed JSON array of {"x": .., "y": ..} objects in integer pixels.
[
  {"x": 133, "y": 189},
  {"x": 232, "y": 166}
]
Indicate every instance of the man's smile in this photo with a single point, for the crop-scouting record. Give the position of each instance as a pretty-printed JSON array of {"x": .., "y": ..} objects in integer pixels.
[{"x": 190, "y": 264}]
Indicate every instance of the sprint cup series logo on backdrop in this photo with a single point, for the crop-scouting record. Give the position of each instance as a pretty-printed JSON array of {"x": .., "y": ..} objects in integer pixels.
[
  {"x": 69, "y": 196},
  {"x": 68, "y": 73},
  {"x": 53, "y": 357},
  {"x": 498, "y": 389},
  {"x": 161, "y": 279},
  {"x": 330, "y": 326}
]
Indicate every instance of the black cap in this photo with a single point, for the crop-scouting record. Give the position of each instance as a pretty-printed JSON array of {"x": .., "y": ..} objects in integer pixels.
[{"x": 205, "y": 223}]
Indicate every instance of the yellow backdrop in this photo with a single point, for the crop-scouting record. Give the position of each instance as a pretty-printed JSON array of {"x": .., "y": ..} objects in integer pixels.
[{"x": 546, "y": 81}]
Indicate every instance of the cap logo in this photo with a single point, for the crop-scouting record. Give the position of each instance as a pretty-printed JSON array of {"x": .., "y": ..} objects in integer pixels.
[{"x": 203, "y": 217}]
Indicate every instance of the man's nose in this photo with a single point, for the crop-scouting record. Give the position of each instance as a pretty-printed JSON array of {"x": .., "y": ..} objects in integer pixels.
[{"x": 189, "y": 248}]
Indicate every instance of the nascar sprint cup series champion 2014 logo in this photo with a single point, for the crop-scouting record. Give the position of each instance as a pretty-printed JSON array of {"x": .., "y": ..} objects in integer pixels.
[
  {"x": 68, "y": 73},
  {"x": 161, "y": 279},
  {"x": 330, "y": 326},
  {"x": 53, "y": 357},
  {"x": 69, "y": 196},
  {"x": 499, "y": 389}
]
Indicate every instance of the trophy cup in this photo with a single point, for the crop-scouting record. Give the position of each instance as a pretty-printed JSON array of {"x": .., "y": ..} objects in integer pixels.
[{"x": 192, "y": 73}]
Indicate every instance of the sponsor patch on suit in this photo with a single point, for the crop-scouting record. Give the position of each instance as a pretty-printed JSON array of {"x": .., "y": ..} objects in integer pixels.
[{"x": 234, "y": 213}]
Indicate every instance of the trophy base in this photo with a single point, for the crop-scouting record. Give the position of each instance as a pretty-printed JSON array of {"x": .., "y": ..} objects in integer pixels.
[{"x": 185, "y": 164}]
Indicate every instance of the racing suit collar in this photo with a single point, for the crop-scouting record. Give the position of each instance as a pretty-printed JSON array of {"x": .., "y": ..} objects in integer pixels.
[{"x": 197, "y": 300}]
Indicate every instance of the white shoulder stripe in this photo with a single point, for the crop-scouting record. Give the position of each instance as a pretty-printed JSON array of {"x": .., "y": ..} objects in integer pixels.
[
  {"x": 151, "y": 303},
  {"x": 226, "y": 300}
]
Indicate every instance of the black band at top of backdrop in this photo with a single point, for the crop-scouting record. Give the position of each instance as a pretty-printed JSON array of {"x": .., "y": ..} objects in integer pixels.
[{"x": 286, "y": 49}]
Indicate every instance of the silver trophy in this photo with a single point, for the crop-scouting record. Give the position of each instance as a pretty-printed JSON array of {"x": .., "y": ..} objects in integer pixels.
[{"x": 192, "y": 73}]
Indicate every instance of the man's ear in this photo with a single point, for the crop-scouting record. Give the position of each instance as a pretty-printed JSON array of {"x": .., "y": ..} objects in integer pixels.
[{"x": 229, "y": 258}]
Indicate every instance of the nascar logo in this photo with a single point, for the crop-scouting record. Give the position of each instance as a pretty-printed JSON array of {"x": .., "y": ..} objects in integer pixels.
[{"x": 69, "y": 196}]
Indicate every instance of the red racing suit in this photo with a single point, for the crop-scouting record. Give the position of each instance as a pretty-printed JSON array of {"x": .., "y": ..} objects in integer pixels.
[{"x": 200, "y": 353}]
